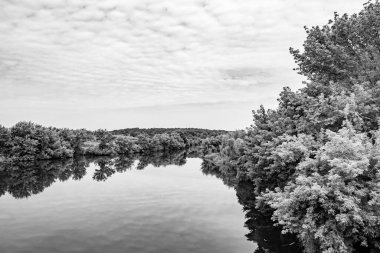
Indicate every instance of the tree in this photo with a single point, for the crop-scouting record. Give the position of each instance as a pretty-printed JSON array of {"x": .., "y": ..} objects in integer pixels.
[
  {"x": 346, "y": 50},
  {"x": 334, "y": 198},
  {"x": 105, "y": 139},
  {"x": 126, "y": 144},
  {"x": 5, "y": 141}
]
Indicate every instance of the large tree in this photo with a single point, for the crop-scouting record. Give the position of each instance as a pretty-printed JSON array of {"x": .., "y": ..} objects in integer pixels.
[{"x": 346, "y": 50}]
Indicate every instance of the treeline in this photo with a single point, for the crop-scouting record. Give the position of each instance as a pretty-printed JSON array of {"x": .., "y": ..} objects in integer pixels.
[
  {"x": 26, "y": 141},
  {"x": 193, "y": 135},
  {"x": 315, "y": 159}
]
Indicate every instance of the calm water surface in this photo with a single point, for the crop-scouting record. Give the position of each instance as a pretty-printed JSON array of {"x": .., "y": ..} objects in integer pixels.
[{"x": 119, "y": 206}]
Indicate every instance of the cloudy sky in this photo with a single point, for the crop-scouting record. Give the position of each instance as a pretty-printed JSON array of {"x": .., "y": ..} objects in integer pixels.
[{"x": 150, "y": 63}]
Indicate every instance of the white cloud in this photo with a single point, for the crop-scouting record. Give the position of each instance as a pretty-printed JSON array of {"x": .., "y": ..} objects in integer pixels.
[{"x": 91, "y": 54}]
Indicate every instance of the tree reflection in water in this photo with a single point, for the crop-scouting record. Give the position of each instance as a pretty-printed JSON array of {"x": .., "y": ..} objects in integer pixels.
[
  {"x": 23, "y": 180},
  {"x": 262, "y": 231},
  {"x": 105, "y": 169}
]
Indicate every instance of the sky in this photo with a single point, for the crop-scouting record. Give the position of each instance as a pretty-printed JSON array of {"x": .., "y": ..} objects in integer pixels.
[{"x": 151, "y": 63}]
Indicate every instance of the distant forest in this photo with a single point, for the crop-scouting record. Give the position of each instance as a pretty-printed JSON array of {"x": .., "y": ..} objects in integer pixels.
[
  {"x": 191, "y": 133},
  {"x": 27, "y": 141}
]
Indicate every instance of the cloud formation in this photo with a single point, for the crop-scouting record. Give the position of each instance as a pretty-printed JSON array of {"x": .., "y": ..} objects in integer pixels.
[{"x": 91, "y": 54}]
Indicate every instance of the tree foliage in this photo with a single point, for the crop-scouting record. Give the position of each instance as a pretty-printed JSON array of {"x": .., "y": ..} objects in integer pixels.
[
  {"x": 314, "y": 159},
  {"x": 333, "y": 197},
  {"x": 26, "y": 141},
  {"x": 346, "y": 50}
]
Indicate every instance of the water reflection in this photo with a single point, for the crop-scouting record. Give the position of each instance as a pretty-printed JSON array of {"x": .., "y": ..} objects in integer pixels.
[
  {"x": 262, "y": 231},
  {"x": 22, "y": 180},
  {"x": 118, "y": 204},
  {"x": 268, "y": 237},
  {"x": 26, "y": 179}
]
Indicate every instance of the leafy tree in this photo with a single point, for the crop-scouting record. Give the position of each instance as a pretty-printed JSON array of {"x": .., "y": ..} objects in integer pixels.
[
  {"x": 334, "y": 197},
  {"x": 345, "y": 50},
  {"x": 76, "y": 138},
  {"x": 5, "y": 138},
  {"x": 177, "y": 141},
  {"x": 105, "y": 139},
  {"x": 144, "y": 142},
  {"x": 126, "y": 144},
  {"x": 211, "y": 145}
]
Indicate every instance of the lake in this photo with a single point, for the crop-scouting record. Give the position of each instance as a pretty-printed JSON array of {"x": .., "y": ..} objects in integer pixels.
[{"x": 157, "y": 203}]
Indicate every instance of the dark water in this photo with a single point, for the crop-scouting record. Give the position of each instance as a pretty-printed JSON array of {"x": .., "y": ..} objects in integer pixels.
[{"x": 157, "y": 203}]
